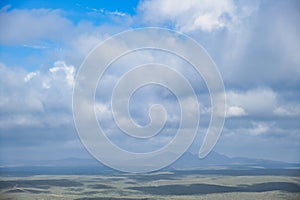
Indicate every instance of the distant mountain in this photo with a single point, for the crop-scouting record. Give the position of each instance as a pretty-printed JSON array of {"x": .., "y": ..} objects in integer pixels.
[
  {"x": 68, "y": 166},
  {"x": 188, "y": 161},
  {"x": 215, "y": 160}
]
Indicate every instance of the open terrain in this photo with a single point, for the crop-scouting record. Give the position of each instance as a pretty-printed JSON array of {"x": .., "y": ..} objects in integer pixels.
[{"x": 205, "y": 184}]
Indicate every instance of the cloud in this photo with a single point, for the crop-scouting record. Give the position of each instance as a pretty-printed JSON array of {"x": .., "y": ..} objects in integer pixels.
[
  {"x": 102, "y": 11},
  {"x": 288, "y": 110},
  {"x": 255, "y": 45},
  {"x": 48, "y": 35},
  {"x": 262, "y": 49},
  {"x": 68, "y": 72},
  {"x": 192, "y": 15},
  {"x": 235, "y": 111},
  {"x": 36, "y": 99},
  {"x": 29, "y": 76},
  {"x": 261, "y": 102},
  {"x": 257, "y": 102},
  {"x": 259, "y": 128},
  {"x": 31, "y": 26}
]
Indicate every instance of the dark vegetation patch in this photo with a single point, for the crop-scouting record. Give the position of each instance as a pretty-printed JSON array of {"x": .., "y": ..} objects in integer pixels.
[
  {"x": 108, "y": 198},
  {"x": 151, "y": 177},
  {"x": 116, "y": 179},
  {"x": 184, "y": 189},
  {"x": 27, "y": 190},
  {"x": 195, "y": 189},
  {"x": 89, "y": 193},
  {"x": 99, "y": 186},
  {"x": 237, "y": 172},
  {"x": 130, "y": 182},
  {"x": 270, "y": 186},
  {"x": 42, "y": 184},
  {"x": 76, "y": 189}
]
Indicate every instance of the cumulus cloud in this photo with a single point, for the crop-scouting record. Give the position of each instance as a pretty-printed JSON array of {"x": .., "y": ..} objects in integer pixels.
[
  {"x": 235, "y": 111},
  {"x": 192, "y": 15},
  {"x": 68, "y": 72},
  {"x": 258, "y": 101},
  {"x": 36, "y": 99}
]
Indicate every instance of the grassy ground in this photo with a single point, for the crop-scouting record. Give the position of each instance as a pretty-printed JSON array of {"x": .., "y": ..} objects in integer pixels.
[{"x": 165, "y": 185}]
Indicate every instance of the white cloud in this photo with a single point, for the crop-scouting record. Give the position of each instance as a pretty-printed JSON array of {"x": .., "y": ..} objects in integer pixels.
[
  {"x": 85, "y": 42},
  {"x": 117, "y": 13},
  {"x": 36, "y": 99},
  {"x": 102, "y": 11},
  {"x": 258, "y": 102},
  {"x": 52, "y": 33},
  {"x": 102, "y": 111},
  {"x": 192, "y": 15},
  {"x": 253, "y": 129},
  {"x": 262, "y": 50},
  {"x": 68, "y": 71},
  {"x": 235, "y": 111},
  {"x": 30, "y": 26},
  {"x": 29, "y": 76},
  {"x": 258, "y": 129},
  {"x": 288, "y": 110}
]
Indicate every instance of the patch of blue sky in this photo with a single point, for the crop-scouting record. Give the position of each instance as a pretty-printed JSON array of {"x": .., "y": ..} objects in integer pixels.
[
  {"x": 128, "y": 7},
  {"x": 27, "y": 56},
  {"x": 95, "y": 12}
]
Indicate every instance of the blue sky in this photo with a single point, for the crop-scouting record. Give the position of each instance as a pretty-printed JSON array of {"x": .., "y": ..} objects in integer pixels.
[{"x": 255, "y": 45}]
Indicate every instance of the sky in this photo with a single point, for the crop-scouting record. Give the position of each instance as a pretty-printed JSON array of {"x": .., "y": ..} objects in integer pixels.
[{"x": 254, "y": 44}]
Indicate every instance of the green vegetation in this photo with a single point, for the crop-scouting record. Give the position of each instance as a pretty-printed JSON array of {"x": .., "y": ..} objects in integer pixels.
[{"x": 159, "y": 185}]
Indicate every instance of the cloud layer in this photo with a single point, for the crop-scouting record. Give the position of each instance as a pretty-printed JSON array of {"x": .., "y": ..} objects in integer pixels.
[{"x": 255, "y": 44}]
